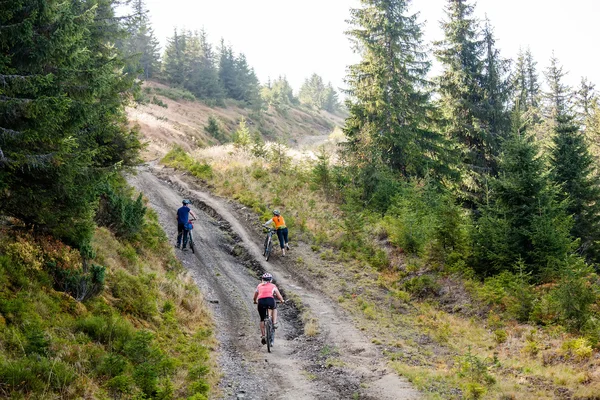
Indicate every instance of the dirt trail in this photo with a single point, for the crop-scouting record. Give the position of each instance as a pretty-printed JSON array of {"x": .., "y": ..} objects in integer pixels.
[{"x": 339, "y": 363}]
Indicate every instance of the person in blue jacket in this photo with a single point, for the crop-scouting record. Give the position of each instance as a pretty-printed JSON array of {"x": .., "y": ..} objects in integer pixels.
[{"x": 183, "y": 216}]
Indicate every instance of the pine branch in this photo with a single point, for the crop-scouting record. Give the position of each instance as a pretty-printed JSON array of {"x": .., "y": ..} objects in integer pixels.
[
  {"x": 7, "y": 99},
  {"x": 4, "y": 132},
  {"x": 4, "y": 78}
]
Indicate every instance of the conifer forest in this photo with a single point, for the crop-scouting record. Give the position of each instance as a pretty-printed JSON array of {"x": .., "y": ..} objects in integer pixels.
[{"x": 457, "y": 189}]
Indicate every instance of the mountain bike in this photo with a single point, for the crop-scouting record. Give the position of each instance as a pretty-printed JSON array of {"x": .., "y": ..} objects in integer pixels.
[
  {"x": 270, "y": 332},
  {"x": 268, "y": 243},
  {"x": 190, "y": 234}
]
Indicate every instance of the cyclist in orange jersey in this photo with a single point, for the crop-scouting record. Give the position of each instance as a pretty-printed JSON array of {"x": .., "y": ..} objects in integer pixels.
[{"x": 281, "y": 229}]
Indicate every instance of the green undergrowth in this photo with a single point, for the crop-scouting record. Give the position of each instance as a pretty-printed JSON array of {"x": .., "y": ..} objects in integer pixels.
[
  {"x": 405, "y": 275},
  {"x": 144, "y": 332},
  {"x": 178, "y": 158}
]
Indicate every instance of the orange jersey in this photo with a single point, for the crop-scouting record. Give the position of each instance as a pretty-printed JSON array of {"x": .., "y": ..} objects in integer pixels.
[
  {"x": 278, "y": 221},
  {"x": 265, "y": 290}
]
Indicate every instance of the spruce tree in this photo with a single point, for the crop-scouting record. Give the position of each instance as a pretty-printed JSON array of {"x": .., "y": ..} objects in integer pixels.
[
  {"x": 389, "y": 125},
  {"x": 331, "y": 102},
  {"x": 522, "y": 221},
  {"x": 585, "y": 97},
  {"x": 206, "y": 81},
  {"x": 462, "y": 96},
  {"x": 312, "y": 92},
  {"x": 227, "y": 71},
  {"x": 63, "y": 129},
  {"x": 533, "y": 85},
  {"x": 141, "y": 46},
  {"x": 496, "y": 90},
  {"x": 519, "y": 84},
  {"x": 174, "y": 59},
  {"x": 573, "y": 165},
  {"x": 279, "y": 94}
]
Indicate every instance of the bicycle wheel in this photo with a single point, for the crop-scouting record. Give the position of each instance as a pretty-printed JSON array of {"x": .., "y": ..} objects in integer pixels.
[
  {"x": 268, "y": 331},
  {"x": 266, "y": 244},
  {"x": 191, "y": 238},
  {"x": 268, "y": 249}
]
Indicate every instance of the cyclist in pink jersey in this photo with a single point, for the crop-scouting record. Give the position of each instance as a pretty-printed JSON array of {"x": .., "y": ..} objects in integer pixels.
[{"x": 264, "y": 296}]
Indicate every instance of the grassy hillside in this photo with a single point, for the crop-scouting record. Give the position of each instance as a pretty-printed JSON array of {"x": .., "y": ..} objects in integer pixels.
[
  {"x": 145, "y": 334},
  {"x": 169, "y": 116},
  {"x": 453, "y": 335}
]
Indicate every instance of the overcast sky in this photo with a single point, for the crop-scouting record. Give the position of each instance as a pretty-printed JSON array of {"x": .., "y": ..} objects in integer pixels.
[{"x": 297, "y": 38}]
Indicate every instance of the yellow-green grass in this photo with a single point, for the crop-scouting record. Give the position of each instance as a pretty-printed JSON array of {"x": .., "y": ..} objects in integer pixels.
[{"x": 147, "y": 333}]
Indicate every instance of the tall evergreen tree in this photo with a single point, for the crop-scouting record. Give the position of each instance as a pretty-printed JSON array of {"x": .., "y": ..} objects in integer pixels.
[
  {"x": 533, "y": 89},
  {"x": 519, "y": 84},
  {"x": 62, "y": 122},
  {"x": 573, "y": 165},
  {"x": 462, "y": 96},
  {"x": 247, "y": 86},
  {"x": 496, "y": 89},
  {"x": 331, "y": 102},
  {"x": 558, "y": 97},
  {"x": 206, "y": 79},
  {"x": 312, "y": 92},
  {"x": 174, "y": 63},
  {"x": 522, "y": 221},
  {"x": 389, "y": 122},
  {"x": 279, "y": 93},
  {"x": 227, "y": 70},
  {"x": 585, "y": 97},
  {"x": 141, "y": 45}
]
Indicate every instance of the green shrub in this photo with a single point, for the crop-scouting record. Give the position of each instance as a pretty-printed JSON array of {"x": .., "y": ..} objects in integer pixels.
[
  {"x": 511, "y": 293},
  {"x": 81, "y": 283},
  {"x": 120, "y": 385},
  {"x": 112, "y": 365},
  {"x": 106, "y": 329},
  {"x": 178, "y": 158},
  {"x": 175, "y": 93},
  {"x": 576, "y": 292},
  {"x": 135, "y": 296},
  {"x": 215, "y": 128},
  {"x": 422, "y": 286},
  {"x": 475, "y": 372},
  {"x": 35, "y": 374},
  {"x": 159, "y": 102},
  {"x": 119, "y": 212}
]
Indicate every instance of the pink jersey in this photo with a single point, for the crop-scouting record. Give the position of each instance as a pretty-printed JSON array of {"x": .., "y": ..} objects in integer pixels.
[{"x": 265, "y": 290}]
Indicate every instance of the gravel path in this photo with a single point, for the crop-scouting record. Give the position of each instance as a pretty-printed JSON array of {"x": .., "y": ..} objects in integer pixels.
[{"x": 226, "y": 267}]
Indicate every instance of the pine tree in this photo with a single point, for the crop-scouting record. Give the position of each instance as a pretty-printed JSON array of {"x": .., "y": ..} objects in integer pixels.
[
  {"x": 174, "y": 63},
  {"x": 312, "y": 92},
  {"x": 522, "y": 222},
  {"x": 557, "y": 98},
  {"x": 63, "y": 129},
  {"x": 533, "y": 86},
  {"x": 206, "y": 81},
  {"x": 242, "y": 137},
  {"x": 585, "y": 97},
  {"x": 462, "y": 96},
  {"x": 389, "y": 123},
  {"x": 279, "y": 94},
  {"x": 496, "y": 90},
  {"x": 227, "y": 71},
  {"x": 247, "y": 86},
  {"x": 519, "y": 84},
  {"x": 331, "y": 101},
  {"x": 573, "y": 165},
  {"x": 141, "y": 45}
]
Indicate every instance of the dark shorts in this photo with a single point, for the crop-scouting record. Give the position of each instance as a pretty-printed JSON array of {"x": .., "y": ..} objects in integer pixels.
[{"x": 264, "y": 305}]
